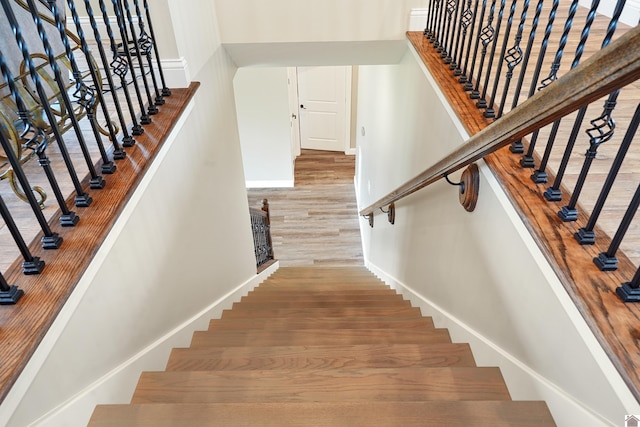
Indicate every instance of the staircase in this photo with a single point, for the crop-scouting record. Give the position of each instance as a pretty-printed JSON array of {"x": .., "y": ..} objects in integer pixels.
[{"x": 322, "y": 346}]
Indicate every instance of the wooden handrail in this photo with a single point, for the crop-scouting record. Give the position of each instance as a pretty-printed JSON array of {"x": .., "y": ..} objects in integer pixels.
[{"x": 611, "y": 68}]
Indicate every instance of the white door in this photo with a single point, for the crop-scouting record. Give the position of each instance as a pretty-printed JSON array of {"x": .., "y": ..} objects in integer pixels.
[{"x": 323, "y": 112}]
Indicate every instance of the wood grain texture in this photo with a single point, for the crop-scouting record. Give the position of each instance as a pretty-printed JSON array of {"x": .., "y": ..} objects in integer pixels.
[
  {"x": 321, "y": 357},
  {"x": 351, "y": 414},
  {"x": 322, "y": 323},
  {"x": 23, "y": 326},
  {"x": 381, "y": 384},
  {"x": 615, "y": 324}
]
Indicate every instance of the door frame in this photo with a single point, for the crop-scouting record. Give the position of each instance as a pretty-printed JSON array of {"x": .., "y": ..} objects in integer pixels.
[{"x": 294, "y": 107}]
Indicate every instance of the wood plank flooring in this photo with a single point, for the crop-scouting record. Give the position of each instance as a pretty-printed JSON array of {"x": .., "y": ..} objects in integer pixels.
[
  {"x": 262, "y": 368},
  {"x": 316, "y": 222}
]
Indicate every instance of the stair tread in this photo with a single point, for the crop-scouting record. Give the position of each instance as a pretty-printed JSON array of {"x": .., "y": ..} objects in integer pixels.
[
  {"x": 413, "y": 384},
  {"x": 433, "y": 413},
  {"x": 321, "y": 323},
  {"x": 338, "y": 293},
  {"x": 321, "y": 357},
  {"x": 323, "y": 312},
  {"x": 250, "y": 305},
  {"x": 317, "y": 296},
  {"x": 268, "y": 337}
]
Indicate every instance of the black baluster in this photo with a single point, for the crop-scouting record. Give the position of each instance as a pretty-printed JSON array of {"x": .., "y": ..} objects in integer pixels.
[
  {"x": 466, "y": 19},
  {"x": 527, "y": 160},
  {"x": 630, "y": 291},
  {"x": 82, "y": 199},
  {"x": 452, "y": 7},
  {"x": 482, "y": 102},
  {"x": 427, "y": 28},
  {"x": 96, "y": 181},
  {"x": 437, "y": 40},
  {"x": 131, "y": 40},
  {"x": 607, "y": 261},
  {"x": 35, "y": 139},
  {"x": 127, "y": 139},
  {"x": 486, "y": 37},
  {"x": 119, "y": 65},
  {"x": 553, "y": 193},
  {"x": 87, "y": 97},
  {"x": 9, "y": 295},
  {"x": 434, "y": 21},
  {"x": 165, "y": 89},
  {"x": 145, "y": 44},
  {"x": 457, "y": 49},
  {"x": 31, "y": 264},
  {"x": 463, "y": 77},
  {"x": 602, "y": 130},
  {"x": 517, "y": 147},
  {"x": 442, "y": 49},
  {"x": 514, "y": 58},
  {"x": 126, "y": 64},
  {"x": 539, "y": 176}
]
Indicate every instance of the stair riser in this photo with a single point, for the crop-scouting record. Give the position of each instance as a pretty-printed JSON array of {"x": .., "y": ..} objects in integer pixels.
[
  {"x": 323, "y": 312},
  {"x": 320, "y": 323},
  {"x": 246, "y": 305}
]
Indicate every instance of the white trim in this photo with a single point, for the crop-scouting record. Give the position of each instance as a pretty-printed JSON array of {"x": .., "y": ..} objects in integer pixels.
[
  {"x": 176, "y": 72},
  {"x": 350, "y": 151},
  {"x": 155, "y": 355},
  {"x": 269, "y": 184},
  {"x": 418, "y": 18},
  {"x": 347, "y": 107},
  {"x": 294, "y": 110}
]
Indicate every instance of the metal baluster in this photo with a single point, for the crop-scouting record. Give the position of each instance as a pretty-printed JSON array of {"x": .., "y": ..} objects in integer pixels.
[
  {"x": 607, "y": 261},
  {"x": 553, "y": 193},
  {"x": 442, "y": 49},
  {"x": 516, "y": 54},
  {"x": 86, "y": 96},
  {"x": 126, "y": 41},
  {"x": 482, "y": 102},
  {"x": 586, "y": 235},
  {"x": 527, "y": 160},
  {"x": 434, "y": 21},
  {"x": 472, "y": 18},
  {"x": 31, "y": 264},
  {"x": 165, "y": 90},
  {"x": 82, "y": 199},
  {"x": 9, "y": 295},
  {"x": 517, "y": 147},
  {"x": 437, "y": 41},
  {"x": 120, "y": 67},
  {"x": 539, "y": 176},
  {"x": 96, "y": 181},
  {"x": 452, "y": 7},
  {"x": 455, "y": 55},
  {"x": 466, "y": 19},
  {"x": 145, "y": 44},
  {"x": 127, "y": 139},
  {"x": 486, "y": 37},
  {"x": 427, "y": 28},
  {"x": 144, "y": 117},
  {"x": 629, "y": 291},
  {"x": 35, "y": 139},
  {"x": 602, "y": 130}
]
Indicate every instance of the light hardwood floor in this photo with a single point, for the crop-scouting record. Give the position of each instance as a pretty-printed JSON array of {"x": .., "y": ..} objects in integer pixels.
[{"x": 316, "y": 222}]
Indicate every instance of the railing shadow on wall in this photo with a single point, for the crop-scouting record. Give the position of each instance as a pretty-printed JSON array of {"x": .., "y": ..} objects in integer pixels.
[
  {"x": 473, "y": 49},
  {"x": 64, "y": 123}
]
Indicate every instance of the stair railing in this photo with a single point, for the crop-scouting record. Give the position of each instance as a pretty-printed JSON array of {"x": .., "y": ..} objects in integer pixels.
[
  {"x": 601, "y": 75},
  {"x": 261, "y": 229},
  {"x": 50, "y": 93}
]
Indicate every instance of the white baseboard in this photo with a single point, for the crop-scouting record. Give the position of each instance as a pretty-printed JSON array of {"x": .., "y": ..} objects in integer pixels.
[
  {"x": 523, "y": 382},
  {"x": 176, "y": 73},
  {"x": 270, "y": 184},
  {"x": 118, "y": 385},
  {"x": 418, "y": 19}
]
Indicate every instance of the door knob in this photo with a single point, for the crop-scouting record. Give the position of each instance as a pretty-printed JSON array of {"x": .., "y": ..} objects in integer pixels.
[{"x": 302, "y": 107}]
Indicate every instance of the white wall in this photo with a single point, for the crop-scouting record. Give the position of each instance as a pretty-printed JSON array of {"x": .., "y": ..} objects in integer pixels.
[
  {"x": 479, "y": 274},
  {"x": 262, "y": 104},
  {"x": 180, "y": 253}
]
